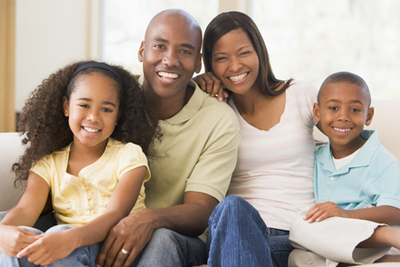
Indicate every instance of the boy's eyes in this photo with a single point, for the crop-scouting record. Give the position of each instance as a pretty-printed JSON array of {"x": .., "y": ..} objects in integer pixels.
[{"x": 333, "y": 108}]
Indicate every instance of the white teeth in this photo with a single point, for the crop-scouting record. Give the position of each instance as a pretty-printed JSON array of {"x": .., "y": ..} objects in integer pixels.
[
  {"x": 342, "y": 130},
  {"x": 239, "y": 77},
  {"x": 91, "y": 130},
  {"x": 168, "y": 75}
]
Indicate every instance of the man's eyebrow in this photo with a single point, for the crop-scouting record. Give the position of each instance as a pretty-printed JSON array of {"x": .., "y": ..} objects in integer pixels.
[
  {"x": 187, "y": 45},
  {"x": 159, "y": 39}
]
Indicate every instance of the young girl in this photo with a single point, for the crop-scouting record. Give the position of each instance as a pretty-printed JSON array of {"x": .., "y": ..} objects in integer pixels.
[
  {"x": 79, "y": 126},
  {"x": 274, "y": 172}
]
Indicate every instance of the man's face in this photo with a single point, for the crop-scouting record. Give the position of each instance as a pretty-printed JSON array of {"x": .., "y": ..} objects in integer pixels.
[{"x": 170, "y": 55}]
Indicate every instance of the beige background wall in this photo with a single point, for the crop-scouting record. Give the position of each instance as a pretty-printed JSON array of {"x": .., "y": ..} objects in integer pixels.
[{"x": 49, "y": 35}]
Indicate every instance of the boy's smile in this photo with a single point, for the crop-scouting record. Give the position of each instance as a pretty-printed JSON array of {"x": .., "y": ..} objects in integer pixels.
[{"x": 342, "y": 112}]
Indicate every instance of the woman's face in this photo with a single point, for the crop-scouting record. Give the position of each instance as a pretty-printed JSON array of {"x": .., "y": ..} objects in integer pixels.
[{"x": 235, "y": 61}]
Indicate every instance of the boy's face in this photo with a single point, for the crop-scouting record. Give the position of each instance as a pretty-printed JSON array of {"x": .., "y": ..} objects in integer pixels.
[{"x": 342, "y": 111}]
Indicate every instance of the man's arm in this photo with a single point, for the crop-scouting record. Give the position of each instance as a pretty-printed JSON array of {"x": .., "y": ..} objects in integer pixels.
[{"x": 134, "y": 231}]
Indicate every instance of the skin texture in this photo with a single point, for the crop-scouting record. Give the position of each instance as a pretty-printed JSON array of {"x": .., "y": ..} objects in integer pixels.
[
  {"x": 170, "y": 55},
  {"x": 93, "y": 111}
]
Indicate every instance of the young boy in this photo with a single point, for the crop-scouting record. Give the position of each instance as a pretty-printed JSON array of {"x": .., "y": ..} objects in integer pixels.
[{"x": 357, "y": 183}]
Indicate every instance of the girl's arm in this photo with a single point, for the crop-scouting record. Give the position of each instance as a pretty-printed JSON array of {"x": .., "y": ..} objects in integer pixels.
[
  {"x": 24, "y": 213},
  {"x": 44, "y": 251}
]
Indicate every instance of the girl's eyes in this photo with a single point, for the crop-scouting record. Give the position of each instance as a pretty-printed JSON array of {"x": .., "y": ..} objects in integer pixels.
[{"x": 106, "y": 110}]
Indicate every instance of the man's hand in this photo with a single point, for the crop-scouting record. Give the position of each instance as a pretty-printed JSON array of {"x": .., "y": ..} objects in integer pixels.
[
  {"x": 131, "y": 234},
  {"x": 210, "y": 84},
  {"x": 321, "y": 211}
]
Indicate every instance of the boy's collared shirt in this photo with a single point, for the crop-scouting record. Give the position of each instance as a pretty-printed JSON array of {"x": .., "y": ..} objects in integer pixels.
[{"x": 371, "y": 178}]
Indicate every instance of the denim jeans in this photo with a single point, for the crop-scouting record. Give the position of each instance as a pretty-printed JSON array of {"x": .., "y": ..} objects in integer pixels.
[
  {"x": 83, "y": 256},
  {"x": 166, "y": 247},
  {"x": 239, "y": 237},
  {"x": 170, "y": 249}
]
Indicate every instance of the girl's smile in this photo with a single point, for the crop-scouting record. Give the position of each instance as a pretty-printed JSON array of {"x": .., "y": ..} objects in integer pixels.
[{"x": 92, "y": 109}]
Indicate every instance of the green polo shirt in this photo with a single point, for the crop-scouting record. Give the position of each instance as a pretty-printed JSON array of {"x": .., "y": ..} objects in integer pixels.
[{"x": 197, "y": 152}]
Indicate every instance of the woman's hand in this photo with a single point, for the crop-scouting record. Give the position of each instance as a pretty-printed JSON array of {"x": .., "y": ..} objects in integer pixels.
[
  {"x": 48, "y": 248},
  {"x": 14, "y": 239},
  {"x": 210, "y": 84},
  {"x": 321, "y": 211}
]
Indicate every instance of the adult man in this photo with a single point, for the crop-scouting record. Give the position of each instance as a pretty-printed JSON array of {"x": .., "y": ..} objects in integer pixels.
[{"x": 191, "y": 164}]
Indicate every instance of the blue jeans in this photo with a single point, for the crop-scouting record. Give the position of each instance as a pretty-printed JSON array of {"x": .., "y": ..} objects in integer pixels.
[
  {"x": 83, "y": 256},
  {"x": 167, "y": 248},
  {"x": 239, "y": 237}
]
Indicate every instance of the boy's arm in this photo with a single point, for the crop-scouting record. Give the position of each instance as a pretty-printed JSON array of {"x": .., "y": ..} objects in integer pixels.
[
  {"x": 57, "y": 245},
  {"x": 381, "y": 214}
]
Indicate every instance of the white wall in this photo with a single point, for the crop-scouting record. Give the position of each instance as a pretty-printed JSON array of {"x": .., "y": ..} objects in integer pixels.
[{"x": 49, "y": 35}]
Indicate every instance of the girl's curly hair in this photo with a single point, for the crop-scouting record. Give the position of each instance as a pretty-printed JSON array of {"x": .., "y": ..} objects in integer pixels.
[{"x": 45, "y": 129}]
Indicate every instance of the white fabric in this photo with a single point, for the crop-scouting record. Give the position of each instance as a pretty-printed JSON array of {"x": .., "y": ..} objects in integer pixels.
[
  {"x": 339, "y": 163},
  {"x": 335, "y": 238},
  {"x": 275, "y": 168}
]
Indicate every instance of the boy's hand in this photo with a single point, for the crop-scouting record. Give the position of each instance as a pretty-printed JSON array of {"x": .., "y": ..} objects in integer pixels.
[
  {"x": 49, "y": 248},
  {"x": 321, "y": 211},
  {"x": 211, "y": 85},
  {"x": 14, "y": 239}
]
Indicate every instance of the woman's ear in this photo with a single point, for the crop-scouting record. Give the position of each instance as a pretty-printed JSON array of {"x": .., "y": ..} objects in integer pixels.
[{"x": 66, "y": 106}]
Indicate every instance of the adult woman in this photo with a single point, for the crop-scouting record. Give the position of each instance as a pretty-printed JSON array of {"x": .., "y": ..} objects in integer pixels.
[{"x": 274, "y": 173}]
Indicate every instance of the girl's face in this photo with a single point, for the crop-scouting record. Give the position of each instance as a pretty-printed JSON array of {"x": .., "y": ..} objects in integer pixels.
[
  {"x": 92, "y": 109},
  {"x": 235, "y": 61}
]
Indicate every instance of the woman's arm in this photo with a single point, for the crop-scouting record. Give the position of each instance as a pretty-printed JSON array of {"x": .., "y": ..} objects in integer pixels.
[
  {"x": 210, "y": 84},
  {"x": 24, "y": 213},
  {"x": 44, "y": 251}
]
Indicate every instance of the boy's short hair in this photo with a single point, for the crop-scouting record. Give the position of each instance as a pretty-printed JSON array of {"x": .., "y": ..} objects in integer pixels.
[{"x": 346, "y": 77}]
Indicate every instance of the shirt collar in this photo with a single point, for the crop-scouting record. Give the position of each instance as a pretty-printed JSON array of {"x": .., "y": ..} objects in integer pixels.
[
  {"x": 363, "y": 157},
  {"x": 191, "y": 107}
]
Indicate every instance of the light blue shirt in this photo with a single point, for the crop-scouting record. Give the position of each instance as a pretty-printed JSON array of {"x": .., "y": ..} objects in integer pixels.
[{"x": 371, "y": 178}]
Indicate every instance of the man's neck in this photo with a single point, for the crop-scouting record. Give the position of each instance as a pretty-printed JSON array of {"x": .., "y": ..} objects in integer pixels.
[{"x": 166, "y": 108}]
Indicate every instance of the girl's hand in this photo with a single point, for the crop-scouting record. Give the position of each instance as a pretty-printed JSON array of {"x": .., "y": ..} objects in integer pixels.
[
  {"x": 14, "y": 239},
  {"x": 211, "y": 85},
  {"x": 321, "y": 211},
  {"x": 48, "y": 248}
]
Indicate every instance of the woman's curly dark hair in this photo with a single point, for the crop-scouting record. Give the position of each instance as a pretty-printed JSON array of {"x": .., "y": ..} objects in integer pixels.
[{"x": 45, "y": 128}]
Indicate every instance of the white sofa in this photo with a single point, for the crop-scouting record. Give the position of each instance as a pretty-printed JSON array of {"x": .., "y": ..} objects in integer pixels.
[{"x": 386, "y": 121}]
